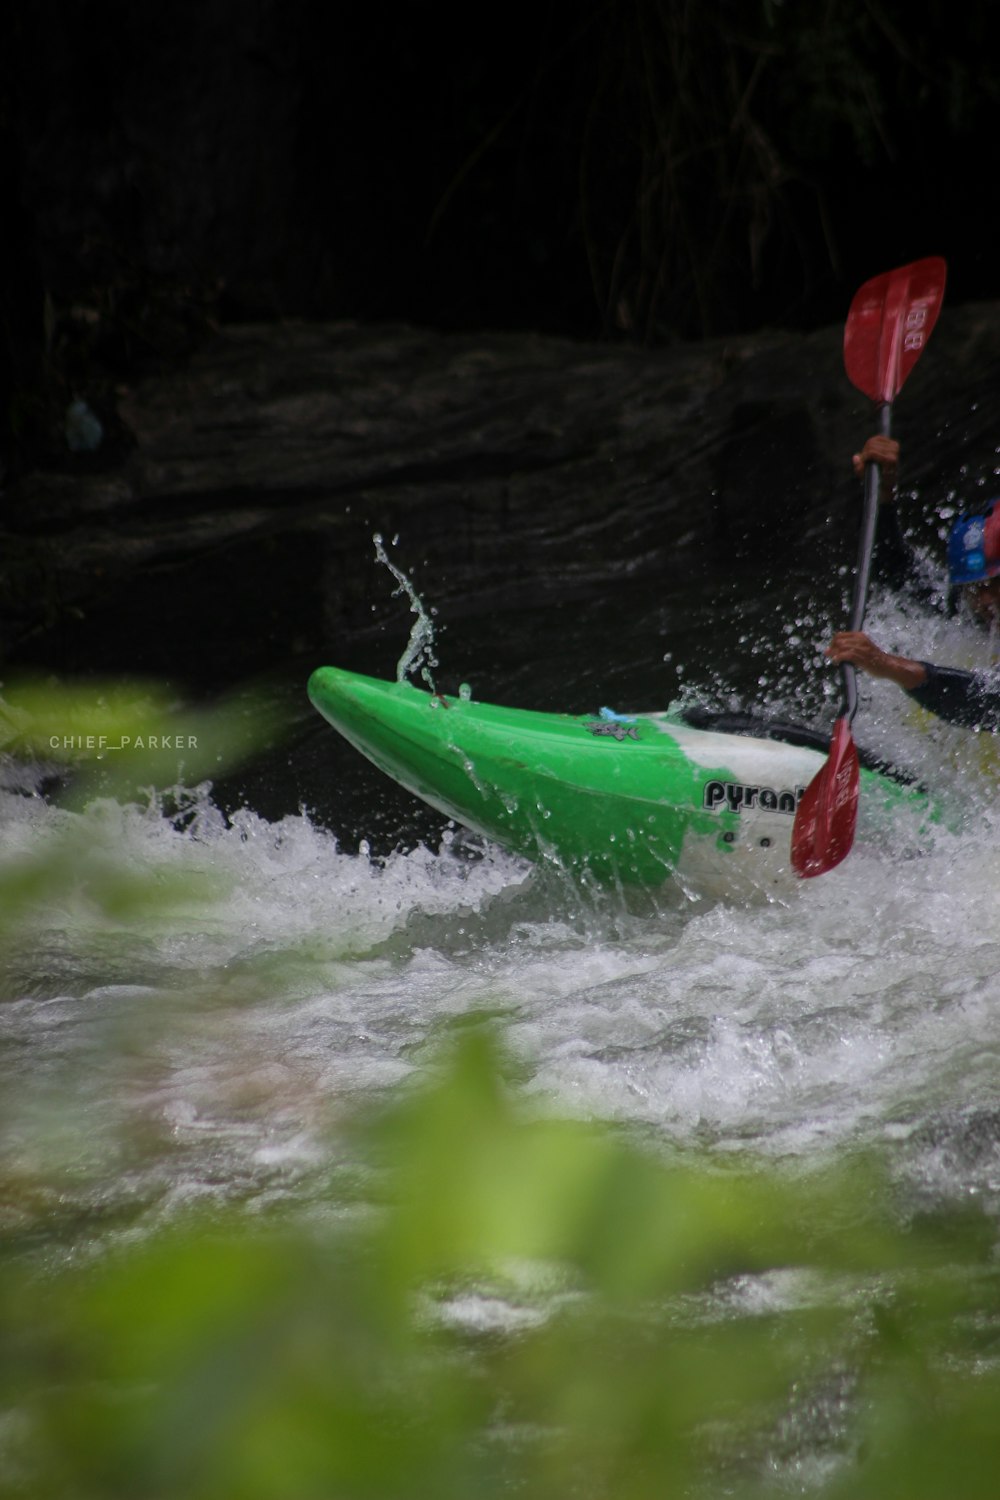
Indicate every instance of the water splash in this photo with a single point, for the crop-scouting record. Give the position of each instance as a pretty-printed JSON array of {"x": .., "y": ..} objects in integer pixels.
[{"x": 420, "y": 647}]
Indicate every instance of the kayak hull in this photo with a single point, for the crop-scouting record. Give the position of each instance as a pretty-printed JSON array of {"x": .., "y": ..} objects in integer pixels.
[{"x": 629, "y": 799}]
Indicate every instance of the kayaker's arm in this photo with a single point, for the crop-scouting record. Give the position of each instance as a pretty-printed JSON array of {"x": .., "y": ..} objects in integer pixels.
[
  {"x": 859, "y": 649},
  {"x": 895, "y": 563},
  {"x": 964, "y": 698}
]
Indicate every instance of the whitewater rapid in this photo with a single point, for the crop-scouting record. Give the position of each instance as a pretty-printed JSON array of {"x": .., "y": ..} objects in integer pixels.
[{"x": 205, "y": 1043}]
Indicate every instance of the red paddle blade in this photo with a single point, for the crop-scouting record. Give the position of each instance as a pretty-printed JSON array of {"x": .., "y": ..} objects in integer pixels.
[
  {"x": 823, "y": 831},
  {"x": 889, "y": 322}
]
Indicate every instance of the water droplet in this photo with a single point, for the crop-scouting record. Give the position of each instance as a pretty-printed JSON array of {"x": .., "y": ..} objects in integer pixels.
[{"x": 464, "y": 692}]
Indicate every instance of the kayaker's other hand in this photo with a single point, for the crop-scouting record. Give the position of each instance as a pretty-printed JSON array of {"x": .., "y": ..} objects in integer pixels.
[
  {"x": 883, "y": 451},
  {"x": 861, "y": 651}
]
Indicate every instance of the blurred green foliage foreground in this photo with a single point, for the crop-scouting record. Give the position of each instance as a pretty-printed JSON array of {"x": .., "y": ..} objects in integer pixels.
[
  {"x": 515, "y": 1305},
  {"x": 118, "y": 742}
]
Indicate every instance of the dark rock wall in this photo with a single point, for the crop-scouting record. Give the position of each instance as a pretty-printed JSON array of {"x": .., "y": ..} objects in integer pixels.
[
  {"x": 287, "y": 254},
  {"x": 514, "y": 467}
]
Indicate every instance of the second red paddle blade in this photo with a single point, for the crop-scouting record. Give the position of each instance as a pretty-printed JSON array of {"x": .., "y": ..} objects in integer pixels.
[{"x": 827, "y": 815}]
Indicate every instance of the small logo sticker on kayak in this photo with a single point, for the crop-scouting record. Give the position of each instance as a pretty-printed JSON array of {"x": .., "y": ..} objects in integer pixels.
[
  {"x": 617, "y": 728},
  {"x": 734, "y": 796}
]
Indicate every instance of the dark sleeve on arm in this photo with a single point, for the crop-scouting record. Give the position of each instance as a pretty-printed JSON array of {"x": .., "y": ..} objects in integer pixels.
[
  {"x": 893, "y": 560},
  {"x": 965, "y": 698}
]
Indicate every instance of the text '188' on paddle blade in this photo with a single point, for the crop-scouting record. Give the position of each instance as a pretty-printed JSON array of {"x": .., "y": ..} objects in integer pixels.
[
  {"x": 827, "y": 815},
  {"x": 888, "y": 325}
]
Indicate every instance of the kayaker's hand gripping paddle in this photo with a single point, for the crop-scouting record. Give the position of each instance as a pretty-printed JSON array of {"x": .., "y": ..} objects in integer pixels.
[{"x": 888, "y": 324}]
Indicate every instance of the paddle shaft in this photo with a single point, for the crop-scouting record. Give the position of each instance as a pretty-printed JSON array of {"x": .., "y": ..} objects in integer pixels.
[
  {"x": 889, "y": 322},
  {"x": 866, "y": 547}
]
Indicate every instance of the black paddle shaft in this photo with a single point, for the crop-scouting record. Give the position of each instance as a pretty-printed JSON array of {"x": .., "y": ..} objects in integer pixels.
[{"x": 866, "y": 547}]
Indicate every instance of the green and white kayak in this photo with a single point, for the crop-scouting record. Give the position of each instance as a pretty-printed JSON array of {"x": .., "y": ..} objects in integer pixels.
[{"x": 630, "y": 798}]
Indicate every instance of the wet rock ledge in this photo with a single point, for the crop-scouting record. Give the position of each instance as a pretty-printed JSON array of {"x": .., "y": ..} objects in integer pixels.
[{"x": 241, "y": 514}]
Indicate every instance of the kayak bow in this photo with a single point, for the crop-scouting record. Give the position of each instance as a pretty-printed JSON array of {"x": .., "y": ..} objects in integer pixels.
[{"x": 634, "y": 798}]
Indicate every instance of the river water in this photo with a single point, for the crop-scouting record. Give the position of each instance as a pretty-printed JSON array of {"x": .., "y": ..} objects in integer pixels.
[
  {"x": 865, "y": 1001},
  {"x": 306, "y": 955}
]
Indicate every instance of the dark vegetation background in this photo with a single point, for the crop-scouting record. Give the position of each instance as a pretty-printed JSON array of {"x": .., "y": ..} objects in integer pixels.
[
  {"x": 650, "y": 170},
  {"x": 525, "y": 289}
]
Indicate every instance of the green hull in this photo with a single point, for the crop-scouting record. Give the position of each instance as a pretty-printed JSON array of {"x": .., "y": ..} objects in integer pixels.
[{"x": 636, "y": 800}]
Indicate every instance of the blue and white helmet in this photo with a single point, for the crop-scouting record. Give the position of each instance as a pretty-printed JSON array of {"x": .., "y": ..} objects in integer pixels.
[{"x": 974, "y": 547}]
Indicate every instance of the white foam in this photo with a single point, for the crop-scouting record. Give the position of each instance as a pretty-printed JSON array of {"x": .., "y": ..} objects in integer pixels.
[{"x": 282, "y": 980}]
